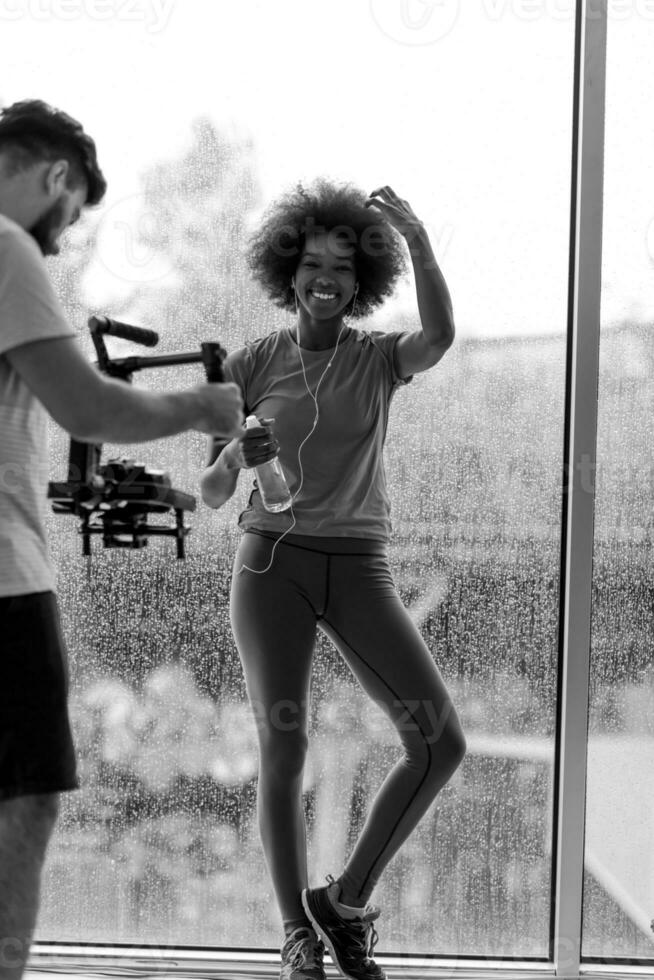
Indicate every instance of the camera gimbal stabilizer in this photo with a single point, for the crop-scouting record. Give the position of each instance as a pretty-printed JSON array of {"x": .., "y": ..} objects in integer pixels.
[{"x": 114, "y": 499}]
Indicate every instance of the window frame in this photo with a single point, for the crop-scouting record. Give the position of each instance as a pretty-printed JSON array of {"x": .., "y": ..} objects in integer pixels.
[{"x": 580, "y": 437}]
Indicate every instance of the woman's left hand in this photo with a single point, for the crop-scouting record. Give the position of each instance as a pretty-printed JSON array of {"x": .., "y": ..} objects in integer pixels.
[{"x": 397, "y": 211}]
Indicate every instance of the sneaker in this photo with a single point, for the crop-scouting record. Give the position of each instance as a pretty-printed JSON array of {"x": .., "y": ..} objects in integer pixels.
[
  {"x": 302, "y": 956},
  {"x": 351, "y": 942}
]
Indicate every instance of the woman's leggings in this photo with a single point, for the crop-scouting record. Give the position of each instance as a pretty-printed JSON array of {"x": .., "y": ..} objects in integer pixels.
[{"x": 352, "y": 598}]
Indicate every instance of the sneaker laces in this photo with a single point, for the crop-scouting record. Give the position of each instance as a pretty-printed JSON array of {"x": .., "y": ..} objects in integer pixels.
[
  {"x": 306, "y": 952},
  {"x": 361, "y": 930},
  {"x": 364, "y": 933}
]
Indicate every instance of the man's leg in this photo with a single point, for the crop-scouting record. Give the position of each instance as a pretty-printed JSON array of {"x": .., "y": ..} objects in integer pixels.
[
  {"x": 26, "y": 823},
  {"x": 37, "y": 761}
]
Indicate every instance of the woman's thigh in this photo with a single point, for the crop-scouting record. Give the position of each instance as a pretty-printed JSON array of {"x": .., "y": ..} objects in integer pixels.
[
  {"x": 274, "y": 625},
  {"x": 381, "y": 644}
]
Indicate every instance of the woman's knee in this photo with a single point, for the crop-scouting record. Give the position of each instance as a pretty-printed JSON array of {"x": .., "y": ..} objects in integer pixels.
[
  {"x": 449, "y": 740},
  {"x": 283, "y": 753},
  {"x": 455, "y": 745},
  {"x": 435, "y": 742}
]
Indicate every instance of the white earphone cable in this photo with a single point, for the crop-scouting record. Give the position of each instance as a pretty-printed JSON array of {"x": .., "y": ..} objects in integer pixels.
[{"x": 314, "y": 397}]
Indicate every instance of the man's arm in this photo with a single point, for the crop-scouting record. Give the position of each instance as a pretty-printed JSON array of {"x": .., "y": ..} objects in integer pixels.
[{"x": 94, "y": 408}]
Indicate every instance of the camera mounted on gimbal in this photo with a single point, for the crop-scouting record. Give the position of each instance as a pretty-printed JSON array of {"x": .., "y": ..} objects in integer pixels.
[{"x": 114, "y": 499}]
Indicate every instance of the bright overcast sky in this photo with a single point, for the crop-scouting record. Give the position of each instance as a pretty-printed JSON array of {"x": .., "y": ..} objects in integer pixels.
[{"x": 464, "y": 109}]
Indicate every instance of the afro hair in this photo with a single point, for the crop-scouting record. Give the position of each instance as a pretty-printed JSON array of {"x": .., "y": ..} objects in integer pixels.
[{"x": 276, "y": 247}]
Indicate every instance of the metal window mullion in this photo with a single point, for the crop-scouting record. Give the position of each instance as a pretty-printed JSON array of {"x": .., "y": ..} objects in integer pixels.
[{"x": 583, "y": 370}]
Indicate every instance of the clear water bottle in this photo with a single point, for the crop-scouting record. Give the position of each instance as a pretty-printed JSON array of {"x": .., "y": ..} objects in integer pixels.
[{"x": 273, "y": 487}]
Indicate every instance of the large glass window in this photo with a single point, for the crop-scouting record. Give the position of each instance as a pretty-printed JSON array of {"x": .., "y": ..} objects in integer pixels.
[
  {"x": 619, "y": 879},
  {"x": 202, "y": 114}
]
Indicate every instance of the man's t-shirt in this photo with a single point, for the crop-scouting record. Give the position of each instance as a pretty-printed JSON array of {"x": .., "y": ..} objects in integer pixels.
[
  {"x": 343, "y": 485},
  {"x": 29, "y": 311}
]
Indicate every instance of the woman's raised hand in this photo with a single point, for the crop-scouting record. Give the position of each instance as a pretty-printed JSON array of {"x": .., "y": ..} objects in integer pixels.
[{"x": 396, "y": 210}]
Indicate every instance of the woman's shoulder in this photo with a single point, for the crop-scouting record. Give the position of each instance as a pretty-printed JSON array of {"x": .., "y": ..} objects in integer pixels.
[
  {"x": 252, "y": 347},
  {"x": 379, "y": 347},
  {"x": 258, "y": 350},
  {"x": 380, "y": 340}
]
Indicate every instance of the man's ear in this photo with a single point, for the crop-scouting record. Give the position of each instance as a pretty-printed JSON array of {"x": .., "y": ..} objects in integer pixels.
[{"x": 55, "y": 177}]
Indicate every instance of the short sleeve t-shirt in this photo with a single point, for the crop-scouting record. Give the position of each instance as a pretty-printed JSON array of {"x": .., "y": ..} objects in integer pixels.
[
  {"x": 340, "y": 471},
  {"x": 29, "y": 311}
]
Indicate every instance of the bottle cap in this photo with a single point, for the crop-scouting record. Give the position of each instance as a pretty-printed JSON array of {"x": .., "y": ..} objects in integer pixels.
[{"x": 251, "y": 422}]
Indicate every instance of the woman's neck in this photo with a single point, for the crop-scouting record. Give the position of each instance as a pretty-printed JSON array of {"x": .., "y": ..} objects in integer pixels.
[{"x": 312, "y": 334}]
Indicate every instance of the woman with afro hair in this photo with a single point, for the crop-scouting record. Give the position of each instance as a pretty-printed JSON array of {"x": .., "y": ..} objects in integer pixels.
[{"x": 321, "y": 390}]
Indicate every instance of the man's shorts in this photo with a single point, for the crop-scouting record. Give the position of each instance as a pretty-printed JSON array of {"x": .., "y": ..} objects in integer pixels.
[{"x": 36, "y": 746}]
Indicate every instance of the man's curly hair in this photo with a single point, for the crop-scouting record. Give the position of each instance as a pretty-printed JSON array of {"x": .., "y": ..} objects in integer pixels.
[
  {"x": 275, "y": 249},
  {"x": 32, "y": 130}
]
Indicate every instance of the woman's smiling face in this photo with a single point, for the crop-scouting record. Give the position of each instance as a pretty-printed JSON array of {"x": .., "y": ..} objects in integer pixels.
[{"x": 325, "y": 277}]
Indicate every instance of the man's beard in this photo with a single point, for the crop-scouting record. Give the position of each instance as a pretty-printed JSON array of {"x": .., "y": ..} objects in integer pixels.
[{"x": 48, "y": 228}]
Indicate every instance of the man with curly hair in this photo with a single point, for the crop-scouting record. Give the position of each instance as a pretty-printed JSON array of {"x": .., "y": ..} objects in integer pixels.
[
  {"x": 48, "y": 174},
  {"x": 330, "y": 254}
]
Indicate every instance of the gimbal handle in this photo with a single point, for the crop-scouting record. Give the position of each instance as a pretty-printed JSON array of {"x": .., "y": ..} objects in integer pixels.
[
  {"x": 212, "y": 353},
  {"x": 139, "y": 335}
]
